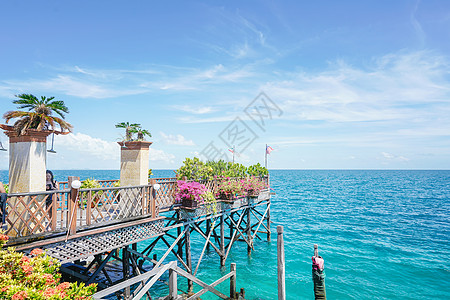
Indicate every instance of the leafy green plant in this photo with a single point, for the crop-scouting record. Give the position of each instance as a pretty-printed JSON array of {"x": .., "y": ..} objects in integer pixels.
[
  {"x": 90, "y": 183},
  {"x": 39, "y": 114},
  {"x": 230, "y": 189},
  {"x": 6, "y": 186},
  {"x": 195, "y": 169},
  {"x": 36, "y": 277},
  {"x": 257, "y": 170},
  {"x": 129, "y": 129},
  {"x": 141, "y": 133}
]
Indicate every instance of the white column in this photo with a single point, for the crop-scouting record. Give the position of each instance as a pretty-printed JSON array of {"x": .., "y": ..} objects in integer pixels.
[{"x": 134, "y": 157}]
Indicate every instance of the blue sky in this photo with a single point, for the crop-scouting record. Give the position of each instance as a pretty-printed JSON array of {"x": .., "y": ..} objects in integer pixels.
[{"x": 355, "y": 84}]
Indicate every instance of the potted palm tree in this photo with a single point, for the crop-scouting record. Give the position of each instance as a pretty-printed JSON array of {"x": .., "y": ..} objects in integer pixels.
[
  {"x": 130, "y": 128},
  {"x": 38, "y": 118}
]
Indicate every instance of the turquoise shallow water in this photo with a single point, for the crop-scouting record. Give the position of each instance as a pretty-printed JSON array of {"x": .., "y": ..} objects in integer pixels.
[{"x": 383, "y": 235}]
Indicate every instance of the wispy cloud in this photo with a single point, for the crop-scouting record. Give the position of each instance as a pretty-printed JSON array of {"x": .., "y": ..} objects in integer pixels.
[
  {"x": 390, "y": 156},
  {"x": 199, "y": 110},
  {"x": 177, "y": 139},
  {"x": 70, "y": 85},
  {"x": 411, "y": 86}
]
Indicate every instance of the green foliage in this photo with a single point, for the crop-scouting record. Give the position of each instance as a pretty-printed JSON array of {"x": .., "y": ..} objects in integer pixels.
[
  {"x": 90, "y": 183},
  {"x": 257, "y": 170},
  {"x": 150, "y": 173},
  {"x": 195, "y": 169},
  {"x": 128, "y": 129},
  {"x": 131, "y": 129},
  {"x": 37, "y": 277},
  {"x": 6, "y": 186},
  {"x": 39, "y": 114}
]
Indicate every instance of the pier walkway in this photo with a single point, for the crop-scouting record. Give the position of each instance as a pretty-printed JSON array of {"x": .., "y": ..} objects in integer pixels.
[{"x": 89, "y": 226}]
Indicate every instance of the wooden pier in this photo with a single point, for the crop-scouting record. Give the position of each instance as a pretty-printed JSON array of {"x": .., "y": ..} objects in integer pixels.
[{"x": 87, "y": 229}]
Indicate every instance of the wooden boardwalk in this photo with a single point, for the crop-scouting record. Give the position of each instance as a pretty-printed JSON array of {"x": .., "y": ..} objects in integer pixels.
[{"x": 106, "y": 219}]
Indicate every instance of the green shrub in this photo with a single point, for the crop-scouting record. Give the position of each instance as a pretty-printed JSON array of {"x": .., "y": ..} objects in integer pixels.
[
  {"x": 22, "y": 277},
  {"x": 195, "y": 169}
]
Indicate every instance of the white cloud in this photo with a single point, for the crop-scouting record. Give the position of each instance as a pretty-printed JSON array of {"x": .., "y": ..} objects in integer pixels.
[
  {"x": 160, "y": 155},
  {"x": 390, "y": 156},
  {"x": 194, "y": 110},
  {"x": 87, "y": 145},
  {"x": 73, "y": 86},
  {"x": 401, "y": 87},
  {"x": 176, "y": 140}
]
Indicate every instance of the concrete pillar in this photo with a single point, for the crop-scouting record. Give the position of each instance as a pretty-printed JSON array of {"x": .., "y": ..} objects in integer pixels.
[
  {"x": 134, "y": 158},
  {"x": 27, "y": 161}
]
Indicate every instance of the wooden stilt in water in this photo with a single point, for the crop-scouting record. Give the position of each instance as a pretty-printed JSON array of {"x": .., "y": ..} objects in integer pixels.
[
  {"x": 249, "y": 232},
  {"x": 173, "y": 286},
  {"x": 188, "y": 256},
  {"x": 126, "y": 270},
  {"x": 180, "y": 242},
  {"x": 208, "y": 229},
  {"x": 268, "y": 223},
  {"x": 222, "y": 241},
  {"x": 233, "y": 281},
  {"x": 318, "y": 274},
  {"x": 281, "y": 264}
]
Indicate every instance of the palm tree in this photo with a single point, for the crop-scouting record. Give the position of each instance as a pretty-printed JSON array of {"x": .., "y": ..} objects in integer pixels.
[
  {"x": 39, "y": 114},
  {"x": 141, "y": 133},
  {"x": 129, "y": 129}
]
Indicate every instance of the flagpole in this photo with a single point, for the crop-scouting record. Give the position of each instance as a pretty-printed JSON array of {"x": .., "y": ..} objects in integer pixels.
[
  {"x": 265, "y": 160},
  {"x": 233, "y": 153}
]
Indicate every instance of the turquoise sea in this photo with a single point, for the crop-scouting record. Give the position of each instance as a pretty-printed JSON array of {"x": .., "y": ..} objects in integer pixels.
[{"x": 383, "y": 235}]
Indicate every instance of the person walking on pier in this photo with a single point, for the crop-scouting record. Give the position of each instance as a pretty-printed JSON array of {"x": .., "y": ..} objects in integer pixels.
[{"x": 50, "y": 185}]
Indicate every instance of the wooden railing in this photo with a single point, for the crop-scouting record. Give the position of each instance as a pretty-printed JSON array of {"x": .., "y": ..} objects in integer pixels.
[{"x": 34, "y": 215}]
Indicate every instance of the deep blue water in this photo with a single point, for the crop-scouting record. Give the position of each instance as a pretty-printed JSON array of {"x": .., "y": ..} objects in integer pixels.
[{"x": 383, "y": 235}]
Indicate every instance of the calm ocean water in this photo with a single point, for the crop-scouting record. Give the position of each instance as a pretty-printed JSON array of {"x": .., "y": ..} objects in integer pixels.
[{"x": 383, "y": 235}]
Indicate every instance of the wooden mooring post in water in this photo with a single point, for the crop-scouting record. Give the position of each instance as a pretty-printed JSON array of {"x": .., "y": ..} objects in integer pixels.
[
  {"x": 318, "y": 275},
  {"x": 281, "y": 265}
]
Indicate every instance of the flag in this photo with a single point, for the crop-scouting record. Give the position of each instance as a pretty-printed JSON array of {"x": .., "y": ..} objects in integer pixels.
[
  {"x": 269, "y": 149},
  {"x": 231, "y": 150}
]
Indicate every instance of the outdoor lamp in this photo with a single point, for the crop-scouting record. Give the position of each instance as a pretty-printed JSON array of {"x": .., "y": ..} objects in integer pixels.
[
  {"x": 76, "y": 184},
  {"x": 156, "y": 186}
]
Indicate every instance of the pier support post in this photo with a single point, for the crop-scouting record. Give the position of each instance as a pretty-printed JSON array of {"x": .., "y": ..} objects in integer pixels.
[
  {"x": 249, "y": 232},
  {"x": 126, "y": 270},
  {"x": 281, "y": 272},
  {"x": 180, "y": 242},
  {"x": 268, "y": 222},
  {"x": 188, "y": 256},
  {"x": 173, "y": 287},
  {"x": 222, "y": 241},
  {"x": 231, "y": 225},
  {"x": 208, "y": 229},
  {"x": 233, "y": 281}
]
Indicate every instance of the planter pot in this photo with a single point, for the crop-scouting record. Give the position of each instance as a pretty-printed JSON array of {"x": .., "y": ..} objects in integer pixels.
[
  {"x": 227, "y": 197},
  {"x": 252, "y": 194},
  {"x": 189, "y": 203}
]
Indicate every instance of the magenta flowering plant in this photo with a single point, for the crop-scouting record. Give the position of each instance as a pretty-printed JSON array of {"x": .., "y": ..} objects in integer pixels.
[
  {"x": 230, "y": 188},
  {"x": 190, "y": 190},
  {"x": 253, "y": 185}
]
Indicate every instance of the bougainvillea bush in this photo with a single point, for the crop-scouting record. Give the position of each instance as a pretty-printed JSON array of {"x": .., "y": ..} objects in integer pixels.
[
  {"x": 36, "y": 277},
  {"x": 190, "y": 190}
]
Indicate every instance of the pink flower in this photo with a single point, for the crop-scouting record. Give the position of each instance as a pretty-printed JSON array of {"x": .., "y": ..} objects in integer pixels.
[
  {"x": 36, "y": 251},
  {"x": 20, "y": 295},
  {"x": 63, "y": 286},
  {"x": 49, "y": 279}
]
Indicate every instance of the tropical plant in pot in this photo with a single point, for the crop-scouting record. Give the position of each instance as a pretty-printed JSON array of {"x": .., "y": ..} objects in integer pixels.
[
  {"x": 190, "y": 194},
  {"x": 229, "y": 189},
  {"x": 253, "y": 186},
  {"x": 90, "y": 183}
]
